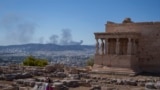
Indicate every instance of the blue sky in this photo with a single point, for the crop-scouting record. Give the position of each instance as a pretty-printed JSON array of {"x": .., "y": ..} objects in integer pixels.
[{"x": 82, "y": 17}]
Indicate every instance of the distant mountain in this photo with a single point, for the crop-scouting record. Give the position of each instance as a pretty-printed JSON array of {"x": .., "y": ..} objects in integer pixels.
[
  {"x": 44, "y": 47},
  {"x": 72, "y": 55}
]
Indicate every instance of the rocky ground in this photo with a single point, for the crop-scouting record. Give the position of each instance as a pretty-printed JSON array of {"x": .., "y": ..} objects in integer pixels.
[{"x": 67, "y": 78}]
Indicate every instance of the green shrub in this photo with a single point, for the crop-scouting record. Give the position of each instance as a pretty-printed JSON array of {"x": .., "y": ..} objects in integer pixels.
[
  {"x": 90, "y": 61},
  {"x": 32, "y": 61}
]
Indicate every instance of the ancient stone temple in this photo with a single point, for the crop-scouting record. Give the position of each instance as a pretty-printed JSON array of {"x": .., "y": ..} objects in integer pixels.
[{"x": 128, "y": 47}]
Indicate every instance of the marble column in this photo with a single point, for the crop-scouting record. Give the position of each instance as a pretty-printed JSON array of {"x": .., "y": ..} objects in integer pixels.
[
  {"x": 129, "y": 46},
  {"x": 102, "y": 46},
  {"x": 117, "y": 46},
  {"x": 97, "y": 46}
]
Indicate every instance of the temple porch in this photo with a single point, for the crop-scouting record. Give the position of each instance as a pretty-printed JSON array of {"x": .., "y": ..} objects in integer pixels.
[{"x": 116, "y": 52}]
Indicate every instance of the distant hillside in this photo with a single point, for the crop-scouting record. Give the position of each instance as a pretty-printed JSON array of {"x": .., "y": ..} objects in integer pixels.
[
  {"x": 72, "y": 55},
  {"x": 44, "y": 47}
]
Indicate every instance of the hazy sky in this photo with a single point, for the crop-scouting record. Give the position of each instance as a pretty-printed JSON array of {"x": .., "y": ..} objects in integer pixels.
[{"x": 36, "y": 21}]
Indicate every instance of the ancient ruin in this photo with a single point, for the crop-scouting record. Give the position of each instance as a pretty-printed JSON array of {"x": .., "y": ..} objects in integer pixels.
[{"x": 128, "y": 47}]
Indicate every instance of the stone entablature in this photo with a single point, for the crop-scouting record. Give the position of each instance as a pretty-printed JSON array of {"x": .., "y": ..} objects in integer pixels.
[{"x": 117, "y": 35}]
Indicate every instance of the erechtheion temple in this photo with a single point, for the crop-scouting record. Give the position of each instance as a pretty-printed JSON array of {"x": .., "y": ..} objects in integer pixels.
[{"x": 128, "y": 47}]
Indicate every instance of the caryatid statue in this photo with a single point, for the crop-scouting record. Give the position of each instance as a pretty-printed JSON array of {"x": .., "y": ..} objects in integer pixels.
[
  {"x": 97, "y": 46},
  {"x": 102, "y": 46}
]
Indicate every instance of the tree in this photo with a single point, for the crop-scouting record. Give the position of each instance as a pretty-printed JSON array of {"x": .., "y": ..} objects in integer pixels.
[
  {"x": 32, "y": 61},
  {"x": 90, "y": 61}
]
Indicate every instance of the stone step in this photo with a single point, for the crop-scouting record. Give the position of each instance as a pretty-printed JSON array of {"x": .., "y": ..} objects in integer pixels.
[{"x": 118, "y": 71}]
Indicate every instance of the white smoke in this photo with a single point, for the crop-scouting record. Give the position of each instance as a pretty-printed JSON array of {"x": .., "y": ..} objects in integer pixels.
[
  {"x": 17, "y": 29},
  {"x": 66, "y": 38},
  {"x": 54, "y": 39}
]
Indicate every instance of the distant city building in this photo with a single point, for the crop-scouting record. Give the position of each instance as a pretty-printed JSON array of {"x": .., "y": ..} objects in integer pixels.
[{"x": 128, "y": 47}]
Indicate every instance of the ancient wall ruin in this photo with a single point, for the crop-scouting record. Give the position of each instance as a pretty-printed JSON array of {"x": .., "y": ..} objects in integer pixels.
[{"x": 148, "y": 45}]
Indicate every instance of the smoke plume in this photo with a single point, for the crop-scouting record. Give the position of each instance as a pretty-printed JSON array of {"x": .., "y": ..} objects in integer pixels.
[
  {"x": 76, "y": 43},
  {"x": 17, "y": 29},
  {"x": 66, "y": 37},
  {"x": 54, "y": 39}
]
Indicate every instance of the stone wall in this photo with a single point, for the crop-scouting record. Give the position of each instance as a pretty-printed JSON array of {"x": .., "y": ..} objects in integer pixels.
[
  {"x": 122, "y": 61},
  {"x": 149, "y": 42}
]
